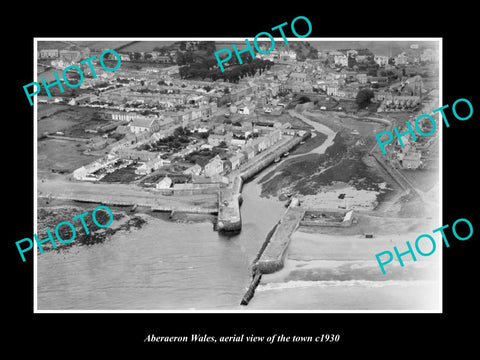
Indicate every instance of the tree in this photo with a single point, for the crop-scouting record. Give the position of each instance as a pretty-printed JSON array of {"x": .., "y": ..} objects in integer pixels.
[
  {"x": 137, "y": 55},
  {"x": 363, "y": 97},
  {"x": 351, "y": 61}
]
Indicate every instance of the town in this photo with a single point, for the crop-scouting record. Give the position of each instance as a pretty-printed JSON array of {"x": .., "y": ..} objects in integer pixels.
[{"x": 170, "y": 132}]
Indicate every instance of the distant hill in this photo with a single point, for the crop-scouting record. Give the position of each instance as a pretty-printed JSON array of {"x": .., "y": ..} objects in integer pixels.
[
  {"x": 389, "y": 48},
  {"x": 60, "y": 45}
]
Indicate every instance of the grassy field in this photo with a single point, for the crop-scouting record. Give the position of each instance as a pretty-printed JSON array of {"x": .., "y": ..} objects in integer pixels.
[
  {"x": 61, "y": 155},
  {"x": 101, "y": 45},
  {"x": 146, "y": 46},
  {"x": 71, "y": 121},
  {"x": 60, "y": 45},
  {"x": 46, "y": 110}
]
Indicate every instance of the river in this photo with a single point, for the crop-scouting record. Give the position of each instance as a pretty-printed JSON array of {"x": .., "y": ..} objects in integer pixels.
[{"x": 162, "y": 266}]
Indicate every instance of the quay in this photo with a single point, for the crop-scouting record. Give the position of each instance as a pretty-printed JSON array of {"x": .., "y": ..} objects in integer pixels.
[{"x": 229, "y": 215}]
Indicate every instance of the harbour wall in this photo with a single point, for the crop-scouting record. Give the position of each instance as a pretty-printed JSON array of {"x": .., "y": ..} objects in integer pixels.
[{"x": 229, "y": 215}]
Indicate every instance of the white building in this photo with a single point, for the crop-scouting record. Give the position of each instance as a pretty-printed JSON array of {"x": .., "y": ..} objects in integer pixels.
[
  {"x": 48, "y": 54},
  {"x": 214, "y": 166},
  {"x": 381, "y": 60},
  {"x": 146, "y": 124},
  {"x": 165, "y": 183},
  {"x": 340, "y": 59}
]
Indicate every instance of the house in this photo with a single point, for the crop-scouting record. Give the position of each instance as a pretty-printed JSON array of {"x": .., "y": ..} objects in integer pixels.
[
  {"x": 235, "y": 160},
  {"x": 125, "y": 152},
  {"x": 244, "y": 110},
  {"x": 249, "y": 151},
  {"x": 48, "y": 53},
  {"x": 214, "y": 166},
  {"x": 377, "y": 79},
  {"x": 298, "y": 77},
  {"x": 428, "y": 55},
  {"x": 401, "y": 59},
  {"x": 165, "y": 183},
  {"x": 238, "y": 142},
  {"x": 410, "y": 160},
  {"x": 332, "y": 90},
  {"x": 261, "y": 143},
  {"x": 70, "y": 55},
  {"x": 144, "y": 124},
  {"x": 362, "y": 78},
  {"x": 381, "y": 60},
  {"x": 149, "y": 166},
  {"x": 193, "y": 170},
  {"x": 274, "y": 136},
  {"x": 124, "y": 57},
  {"x": 340, "y": 59}
]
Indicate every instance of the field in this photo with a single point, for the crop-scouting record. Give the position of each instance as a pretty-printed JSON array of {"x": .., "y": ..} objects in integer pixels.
[
  {"x": 61, "y": 155},
  {"x": 101, "y": 45},
  {"x": 71, "y": 121},
  {"x": 144, "y": 46},
  {"x": 60, "y": 45},
  {"x": 46, "y": 110}
]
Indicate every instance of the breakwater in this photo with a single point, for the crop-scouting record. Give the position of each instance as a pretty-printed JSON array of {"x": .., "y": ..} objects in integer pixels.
[{"x": 273, "y": 256}]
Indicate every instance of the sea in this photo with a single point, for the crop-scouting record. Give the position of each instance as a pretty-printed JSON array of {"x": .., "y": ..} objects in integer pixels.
[{"x": 164, "y": 265}]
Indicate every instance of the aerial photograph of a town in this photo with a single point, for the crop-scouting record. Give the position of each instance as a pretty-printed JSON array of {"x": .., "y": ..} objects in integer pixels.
[{"x": 260, "y": 188}]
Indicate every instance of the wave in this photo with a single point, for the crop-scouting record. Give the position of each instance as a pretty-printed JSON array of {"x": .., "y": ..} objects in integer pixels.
[{"x": 336, "y": 283}]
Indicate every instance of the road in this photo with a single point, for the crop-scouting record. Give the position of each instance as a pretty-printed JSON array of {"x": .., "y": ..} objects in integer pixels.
[{"x": 123, "y": 194}]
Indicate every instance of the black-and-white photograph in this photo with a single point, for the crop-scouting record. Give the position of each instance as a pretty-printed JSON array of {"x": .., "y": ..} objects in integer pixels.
[{"x": 238, "y": 175}]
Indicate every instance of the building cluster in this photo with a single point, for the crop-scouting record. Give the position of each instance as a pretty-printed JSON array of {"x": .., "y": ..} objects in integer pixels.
[
  {"x": 408, "y": 157},
  {"x": 149, "y": 104},
  {"x": 74, "y": 55}
]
